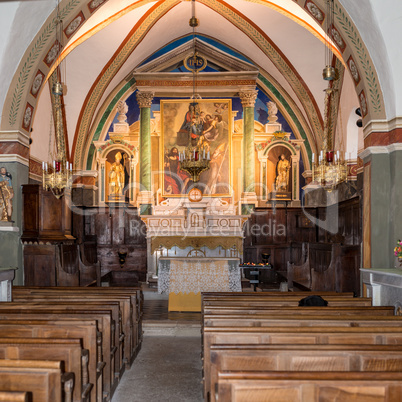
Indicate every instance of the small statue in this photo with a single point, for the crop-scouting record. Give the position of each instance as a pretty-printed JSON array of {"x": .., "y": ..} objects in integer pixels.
[
  {"x": 116, "y": 176},
  {"x": 272, "y": 112},
  {"x": 122, "y": 109},
  {"x": 282, "y": 171},
  {"x": 6, "y": 195}
]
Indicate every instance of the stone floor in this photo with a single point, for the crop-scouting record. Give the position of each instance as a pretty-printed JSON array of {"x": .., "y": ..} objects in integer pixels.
[{"x": 168, "y": 367}]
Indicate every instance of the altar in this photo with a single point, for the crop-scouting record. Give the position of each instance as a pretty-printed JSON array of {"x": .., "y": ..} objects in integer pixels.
[{"x": 185, "y": 278}]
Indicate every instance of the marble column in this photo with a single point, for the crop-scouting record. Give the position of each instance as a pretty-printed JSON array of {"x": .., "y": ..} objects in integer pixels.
[
  {"x": 144, "y": 100},
  {"x": 249, "y": 199}
]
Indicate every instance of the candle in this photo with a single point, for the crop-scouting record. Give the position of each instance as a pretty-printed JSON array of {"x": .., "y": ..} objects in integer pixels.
[
  {"x": 54, "y": 165},
  {"x": 346, "y": 156},
  {"x": 66, "y": 165},
  {"x": 321, "y": 154},
  {"x": 43, "y": 165},
  {"x": 208, "y": 157},
  {"x": 337, "y": 155},
  {"x": 46, "y": 166},
  {"x": 203, "y": 155},
  {"x": 71, "y": 166},
  {"x": 194, "y": 154},
  {"x": 312, "y": 158}
]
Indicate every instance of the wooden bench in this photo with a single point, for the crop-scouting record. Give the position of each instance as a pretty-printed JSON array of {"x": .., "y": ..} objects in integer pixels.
[
  {"x": 309, "y": 386},
  {"x": 69, "y": 351},
  {"x": 300, "y": 320},
  {"x": 131, "y": 317},
  {"x": 44, "y": 379},
  {"x": 9, "y": 311},
  {"x": 15, "y": 396},
  {"x": 294, "y": 310},
  {"x": 86, "y": 330},
  {"x": 333, "y": 301},
  {"x": 124, "y": 308},
  {"x": 314, "y": 335},
  {"x": 245, "y": 358}
]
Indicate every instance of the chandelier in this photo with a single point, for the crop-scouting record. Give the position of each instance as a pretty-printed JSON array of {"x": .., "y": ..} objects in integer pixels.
[
  {"x": 195, "y": 158},
  {"x": 330, "y": 168},
  {"x": 58, "y": 177}
]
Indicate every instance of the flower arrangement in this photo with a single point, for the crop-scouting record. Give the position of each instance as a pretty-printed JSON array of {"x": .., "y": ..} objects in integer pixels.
[{"x": 398, "y": 249}]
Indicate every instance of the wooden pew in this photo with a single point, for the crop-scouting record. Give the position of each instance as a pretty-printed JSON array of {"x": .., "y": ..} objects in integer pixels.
[
  {"x": 286, "y": 335},
  {"x": 333, "y": 301},
  {"x": 15, "y": 396},
  {"x": 294, "y": 310},
  {"x": 9, "y": 311},
  {"x": 309, "y": 386},
  {"x": 69, "y": 351},
  {"x": 249, "y": 358},
  {"x": 130, "y": 299},
  {"x": 125, "y": 311},
  {"x": 86, "y": 330},
  {"x": 117, "y": 337},
  {"x": 301, "y": 320},
  {"x": 44, "y": 379},
  {"x": 302, "y": 294}
]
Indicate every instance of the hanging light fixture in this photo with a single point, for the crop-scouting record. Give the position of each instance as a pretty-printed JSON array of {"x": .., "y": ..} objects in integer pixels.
[
  {"x": 330, "y": 168},
  {"x": 58, "y": 176},
  {"x": 195, "y": 159},
  {"x": 329, "y": 73}
]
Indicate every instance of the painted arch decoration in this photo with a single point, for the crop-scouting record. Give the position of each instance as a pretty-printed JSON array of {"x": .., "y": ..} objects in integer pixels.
[{"x": 20, "y": 103}]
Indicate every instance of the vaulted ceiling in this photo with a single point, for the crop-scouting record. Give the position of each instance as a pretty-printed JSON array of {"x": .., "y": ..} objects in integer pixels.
[{"x": 105, "y": 41}]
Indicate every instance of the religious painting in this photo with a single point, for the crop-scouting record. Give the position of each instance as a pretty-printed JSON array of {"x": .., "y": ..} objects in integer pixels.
[{"x": 204, "y": 125}]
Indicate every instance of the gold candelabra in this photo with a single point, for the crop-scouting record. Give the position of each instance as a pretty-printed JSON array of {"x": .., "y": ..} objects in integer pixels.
[
  {"x": 194, "y": 161},
  {"x": 329, "y": 170}
]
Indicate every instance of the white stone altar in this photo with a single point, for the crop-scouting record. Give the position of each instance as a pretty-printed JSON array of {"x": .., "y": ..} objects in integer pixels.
[
  {"x": 185, "y": 278},
  {"x": 181, "y": 228}
]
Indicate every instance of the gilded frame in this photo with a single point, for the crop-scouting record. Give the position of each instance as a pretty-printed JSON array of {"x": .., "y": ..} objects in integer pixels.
[{"x": 174, "y": 113}]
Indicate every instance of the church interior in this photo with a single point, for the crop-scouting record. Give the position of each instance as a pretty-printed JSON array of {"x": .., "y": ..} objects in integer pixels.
[{"x": 182, "y": 174}]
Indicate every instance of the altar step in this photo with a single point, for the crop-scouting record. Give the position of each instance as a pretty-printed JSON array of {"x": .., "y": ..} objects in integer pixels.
[{"x": 171, "y": 328}]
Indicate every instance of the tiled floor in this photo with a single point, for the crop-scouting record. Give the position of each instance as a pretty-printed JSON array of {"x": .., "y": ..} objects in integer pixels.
[{"x": 168, "y": 366}]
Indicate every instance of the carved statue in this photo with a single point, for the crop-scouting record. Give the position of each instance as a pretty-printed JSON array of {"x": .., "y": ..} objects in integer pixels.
[
  {"x": 116, "y": 176},
  {"x": 272, "y": 112},
  {"x": 6, "y": 195},
  {"x": 282, "y": 171}
]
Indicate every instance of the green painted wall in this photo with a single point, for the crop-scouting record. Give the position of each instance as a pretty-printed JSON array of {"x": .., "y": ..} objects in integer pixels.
[{"x": 10, "y": 243}]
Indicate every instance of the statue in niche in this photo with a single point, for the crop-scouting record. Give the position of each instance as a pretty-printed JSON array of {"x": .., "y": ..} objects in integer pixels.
[
  {"x": 282, "y": 174},
  {"x": 6, "y": 195},
  {"x": 116, "y": 176}
]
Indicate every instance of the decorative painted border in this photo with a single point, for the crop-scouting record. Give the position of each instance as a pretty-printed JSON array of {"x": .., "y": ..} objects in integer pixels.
[
  {"x": 35, "y": 52},
  {"x": 73, "y": 26},
  {"x": 37, "y": 83},
  {"x": 370, "y": 75},
  {"x": 276, "y": 57},
  {"x": 107, "y": 74}
]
